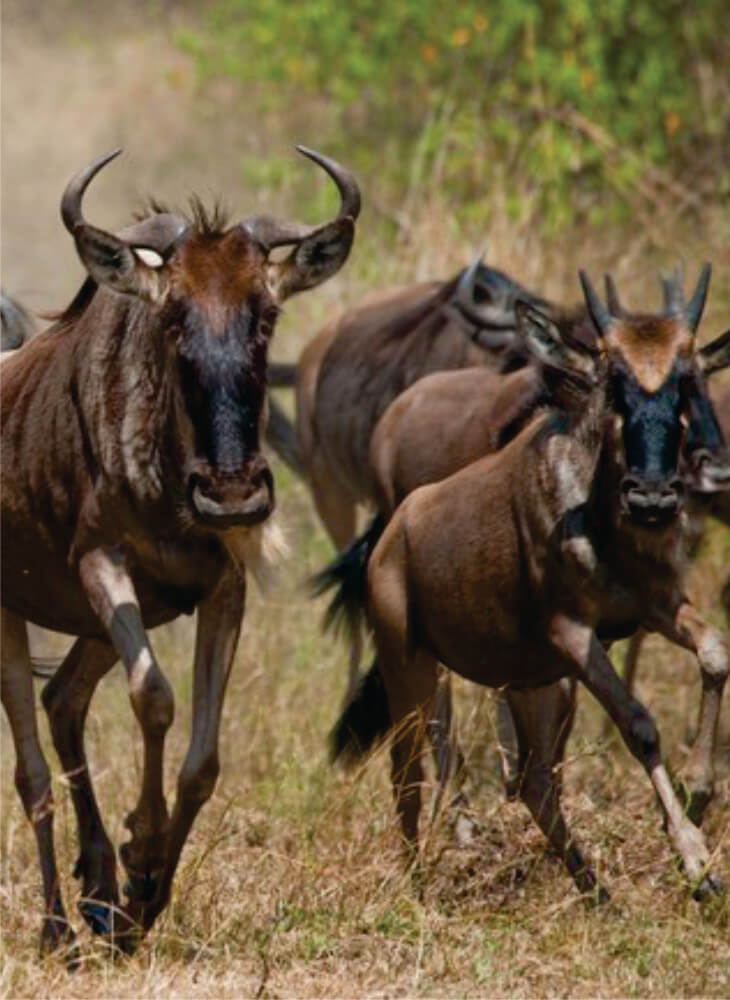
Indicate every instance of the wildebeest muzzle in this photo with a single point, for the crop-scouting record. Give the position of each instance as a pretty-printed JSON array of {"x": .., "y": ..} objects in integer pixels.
[
  {"x": 652, "y": 502},
  {"x": 229, "y": 500}
]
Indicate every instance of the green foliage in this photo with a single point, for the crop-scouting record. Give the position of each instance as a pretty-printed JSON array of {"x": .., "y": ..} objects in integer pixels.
[{"x": 571, "y": 94}]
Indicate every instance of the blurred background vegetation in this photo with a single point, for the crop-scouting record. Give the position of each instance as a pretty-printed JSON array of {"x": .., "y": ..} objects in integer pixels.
[
  {"x": 563, "y": 131},
  {"x": 588, "y": 107}
]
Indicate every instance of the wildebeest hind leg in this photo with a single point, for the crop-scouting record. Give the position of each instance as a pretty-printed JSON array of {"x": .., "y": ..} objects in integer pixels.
[
  {"x": 32, "y": 777},
  {"x": 409, "y": 676},
  {"x": 66, "y": 699},
  {"x": 543, "y": 719}
]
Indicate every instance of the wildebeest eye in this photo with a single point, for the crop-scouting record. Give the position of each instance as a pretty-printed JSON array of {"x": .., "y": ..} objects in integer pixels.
[{"x": 268, "y": 319}]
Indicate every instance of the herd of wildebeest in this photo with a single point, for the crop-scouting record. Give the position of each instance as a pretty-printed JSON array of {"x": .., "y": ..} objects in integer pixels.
[{"x": 538, "y": 474}]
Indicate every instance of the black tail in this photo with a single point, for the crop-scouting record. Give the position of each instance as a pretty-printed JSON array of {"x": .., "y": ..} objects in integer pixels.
[
  {"x": 282, "y": 436},
  {"x": 348, "y": 573},
  {"x": 364, "y": 722},
  {"x": 281, "y": 374}
]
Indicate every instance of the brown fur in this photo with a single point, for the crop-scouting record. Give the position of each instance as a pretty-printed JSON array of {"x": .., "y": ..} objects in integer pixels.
[{"x": 650, "y": 346}]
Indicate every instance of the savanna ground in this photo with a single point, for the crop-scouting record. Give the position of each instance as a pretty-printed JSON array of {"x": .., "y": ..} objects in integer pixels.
[{"x": 291, "y": 883}]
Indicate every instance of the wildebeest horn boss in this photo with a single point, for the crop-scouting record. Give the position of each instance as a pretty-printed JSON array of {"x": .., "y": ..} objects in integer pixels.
[
  {"x": 138, "y": 492},
  {"x": 516, "y": 570}
]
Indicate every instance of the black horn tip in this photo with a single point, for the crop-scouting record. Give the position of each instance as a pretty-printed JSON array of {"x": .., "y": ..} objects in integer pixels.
[
  {"x": 612, "y": 299},
  {"x": 599, "y": 314},
  {"x": 696, "y": 304},
  {"x": 346, "y": 183},
  {"x": 71, "y": 200}
]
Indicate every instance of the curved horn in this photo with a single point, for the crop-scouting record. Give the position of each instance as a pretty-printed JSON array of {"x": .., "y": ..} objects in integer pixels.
[
  {"x": 72, "y": 196},
  {"x": 601, "y": 317},
  {"x": 612, "y": 300},
  {"x": 346, "y": 183},
  {"x": 695, "y": 306},
  {"x": 158, "y": 232},
  {"x": 271, "y": 232}
]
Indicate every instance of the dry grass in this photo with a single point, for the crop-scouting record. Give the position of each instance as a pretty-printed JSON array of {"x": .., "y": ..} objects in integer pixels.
[{"x": 291, "y": 883}]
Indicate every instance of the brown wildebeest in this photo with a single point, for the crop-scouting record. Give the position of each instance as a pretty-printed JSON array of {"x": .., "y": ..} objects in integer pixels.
[
  {"x": 512, "y": 571},
  {"x": 138, "y": 492},
  {"x": 350, "y": 373}
]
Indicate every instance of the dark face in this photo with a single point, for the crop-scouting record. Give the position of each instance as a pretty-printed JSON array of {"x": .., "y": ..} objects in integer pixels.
[
  {"x": 652, "y": 492},
  {"x": 225, "y": 318}
]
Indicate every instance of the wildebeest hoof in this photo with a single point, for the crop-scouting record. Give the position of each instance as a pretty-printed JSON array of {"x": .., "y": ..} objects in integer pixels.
[
  {"x": 57, "y": 934},
  {"x": 710, "y": 886}
]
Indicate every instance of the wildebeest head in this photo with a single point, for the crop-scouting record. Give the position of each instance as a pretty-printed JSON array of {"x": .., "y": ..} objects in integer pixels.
[
  {"x": 655, "y": 376},
  {"x": 209, "y": 296},
  {"x": 487, "y": 298}
]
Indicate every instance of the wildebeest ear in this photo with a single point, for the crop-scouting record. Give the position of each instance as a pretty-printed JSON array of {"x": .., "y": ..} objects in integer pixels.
[
  {"x": 547, "y": 344},
  {"x": 715, "y": 357},
  {"x": 312, "y": 261},
  {"x": 112, "y": 262}
]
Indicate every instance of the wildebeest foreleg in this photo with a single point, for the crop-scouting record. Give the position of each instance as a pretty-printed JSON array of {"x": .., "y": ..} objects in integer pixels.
[
  {"x": 66, "y": 698},
  {"x": 219, "y": 625},
  {"x": 543, "y": 719},
  {"x": 631, "y": 662},
  {"x": 32, "y": 777},
  {"x": 698, "y": 775},
  {"x": 579, "y": 644},
  {"x": 112, "y": 596}
]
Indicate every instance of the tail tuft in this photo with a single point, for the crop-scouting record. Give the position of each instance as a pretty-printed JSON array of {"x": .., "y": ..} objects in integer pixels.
[
  {"x": 348, "y": 574},
  {"x": 364, "y": 722}
]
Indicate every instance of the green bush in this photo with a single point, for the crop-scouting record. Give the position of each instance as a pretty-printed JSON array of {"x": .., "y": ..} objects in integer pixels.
[{"x": 571, "y": 95}]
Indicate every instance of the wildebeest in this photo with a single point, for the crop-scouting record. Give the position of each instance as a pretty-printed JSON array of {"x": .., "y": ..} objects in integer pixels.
[
  {"x": 347, "y": 376},
  {"x": 138, "y": 492},
  {"x": 16, "y": 326},
  {"x": 513, "y": 571}
]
